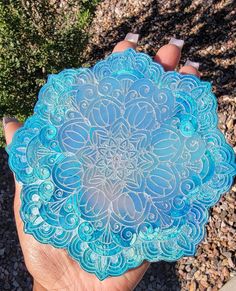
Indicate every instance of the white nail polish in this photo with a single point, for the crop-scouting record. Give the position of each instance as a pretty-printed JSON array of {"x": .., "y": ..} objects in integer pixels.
[
  {"x": 132, "y": 37},
  {"x": 193, "y": 64},
  {"x": 178, "y": 42}
]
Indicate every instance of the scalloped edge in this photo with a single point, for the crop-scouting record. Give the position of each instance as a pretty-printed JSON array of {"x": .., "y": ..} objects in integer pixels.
[{"x": 203, "y": 225}]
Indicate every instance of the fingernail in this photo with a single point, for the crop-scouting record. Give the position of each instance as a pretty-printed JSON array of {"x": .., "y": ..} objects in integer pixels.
[
  {"x": 132, "y": 37},
  {"x": 178, "y": 42},
  {"x": 193, "y": 64},
  {"x": 7, "y": 119}
]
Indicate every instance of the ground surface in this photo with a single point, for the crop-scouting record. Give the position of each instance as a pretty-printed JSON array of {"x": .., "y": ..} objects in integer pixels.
[{"x": 209, "y": 31}]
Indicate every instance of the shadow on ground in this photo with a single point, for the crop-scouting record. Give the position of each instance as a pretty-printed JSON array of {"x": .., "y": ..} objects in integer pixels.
[
  {"x": 200, "y": 25},
  {"x": 160, "y": 276}
]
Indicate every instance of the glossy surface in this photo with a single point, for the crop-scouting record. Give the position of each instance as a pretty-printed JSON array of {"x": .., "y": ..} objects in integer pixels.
[{"x": 120, "y": 163}]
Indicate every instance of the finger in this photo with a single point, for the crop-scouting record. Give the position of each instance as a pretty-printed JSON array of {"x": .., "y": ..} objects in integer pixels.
[
  {"x": 10, "y": 125},
  {"x": 190, "y": 68},
  {"x": 130, "y": 41},
  {"x": 169, "y": 55}
]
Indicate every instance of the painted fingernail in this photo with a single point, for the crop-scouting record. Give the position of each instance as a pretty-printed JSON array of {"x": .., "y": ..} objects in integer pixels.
[
  {"x": 178, "y": 42},
  {"x": 132, "y": 37},
  {"x": 7, "y": 119},
  {"x": 193, "y": 64}
]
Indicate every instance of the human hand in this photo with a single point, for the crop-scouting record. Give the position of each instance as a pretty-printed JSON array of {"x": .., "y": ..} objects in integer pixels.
[{"x": 54, "y": 269}]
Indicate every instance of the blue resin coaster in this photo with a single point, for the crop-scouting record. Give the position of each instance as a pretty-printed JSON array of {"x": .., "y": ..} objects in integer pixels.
[{"x": 121, "y": 162}]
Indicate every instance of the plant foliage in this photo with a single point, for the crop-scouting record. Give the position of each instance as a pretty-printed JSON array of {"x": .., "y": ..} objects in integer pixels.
[{"x": 38, "y": 38}]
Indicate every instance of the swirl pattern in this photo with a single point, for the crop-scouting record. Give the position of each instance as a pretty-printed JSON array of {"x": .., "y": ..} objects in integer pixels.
[{"x": 120, "y": 163}]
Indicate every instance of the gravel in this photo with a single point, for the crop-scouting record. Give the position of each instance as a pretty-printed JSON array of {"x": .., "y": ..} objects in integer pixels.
[{"x": 209, "y": 30}]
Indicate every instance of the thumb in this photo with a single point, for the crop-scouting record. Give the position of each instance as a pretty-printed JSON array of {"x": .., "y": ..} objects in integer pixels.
[{"x": 10, "y": 125}]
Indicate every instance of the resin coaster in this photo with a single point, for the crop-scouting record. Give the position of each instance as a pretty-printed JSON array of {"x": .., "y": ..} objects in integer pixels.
[{"x": 120, "y": 163}]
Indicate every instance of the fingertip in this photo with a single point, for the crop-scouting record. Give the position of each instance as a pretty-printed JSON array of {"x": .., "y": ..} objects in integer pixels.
[
  {"x": 123, "y": 45},
  {"x": 168, "y": 56},
  {"x": 130, "y": 41},
  {"x": 187, "y": 69}
]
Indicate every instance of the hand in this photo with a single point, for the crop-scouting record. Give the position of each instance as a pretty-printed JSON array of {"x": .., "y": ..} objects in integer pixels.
[{"x": 53, "y": 269}]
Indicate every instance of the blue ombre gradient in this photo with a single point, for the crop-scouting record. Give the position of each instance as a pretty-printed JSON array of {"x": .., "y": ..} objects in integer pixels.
[{"x": 120, "y": 163}]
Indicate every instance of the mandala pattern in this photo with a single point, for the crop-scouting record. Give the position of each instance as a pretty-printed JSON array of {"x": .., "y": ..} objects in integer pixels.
[{"x": 120, "y": 163}]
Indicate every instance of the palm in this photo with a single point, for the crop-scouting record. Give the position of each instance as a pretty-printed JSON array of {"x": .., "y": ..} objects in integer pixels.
[{"x": 53, "y": 269}]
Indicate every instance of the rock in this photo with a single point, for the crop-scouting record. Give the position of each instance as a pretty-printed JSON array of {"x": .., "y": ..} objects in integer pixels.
[
  {"x": 227, "y": 254},
  {"x": 197, "y": 274},
  {"x": 15, "y": 265},
  {"x": 225, "y": 272},
  {"x": 7, "y": 286},
  {"x": 231, "y": 264},
  {"x": 204, "y": 283},
  {"x": 193, "y": 286},
  {"x": 15, "y": 284}
]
